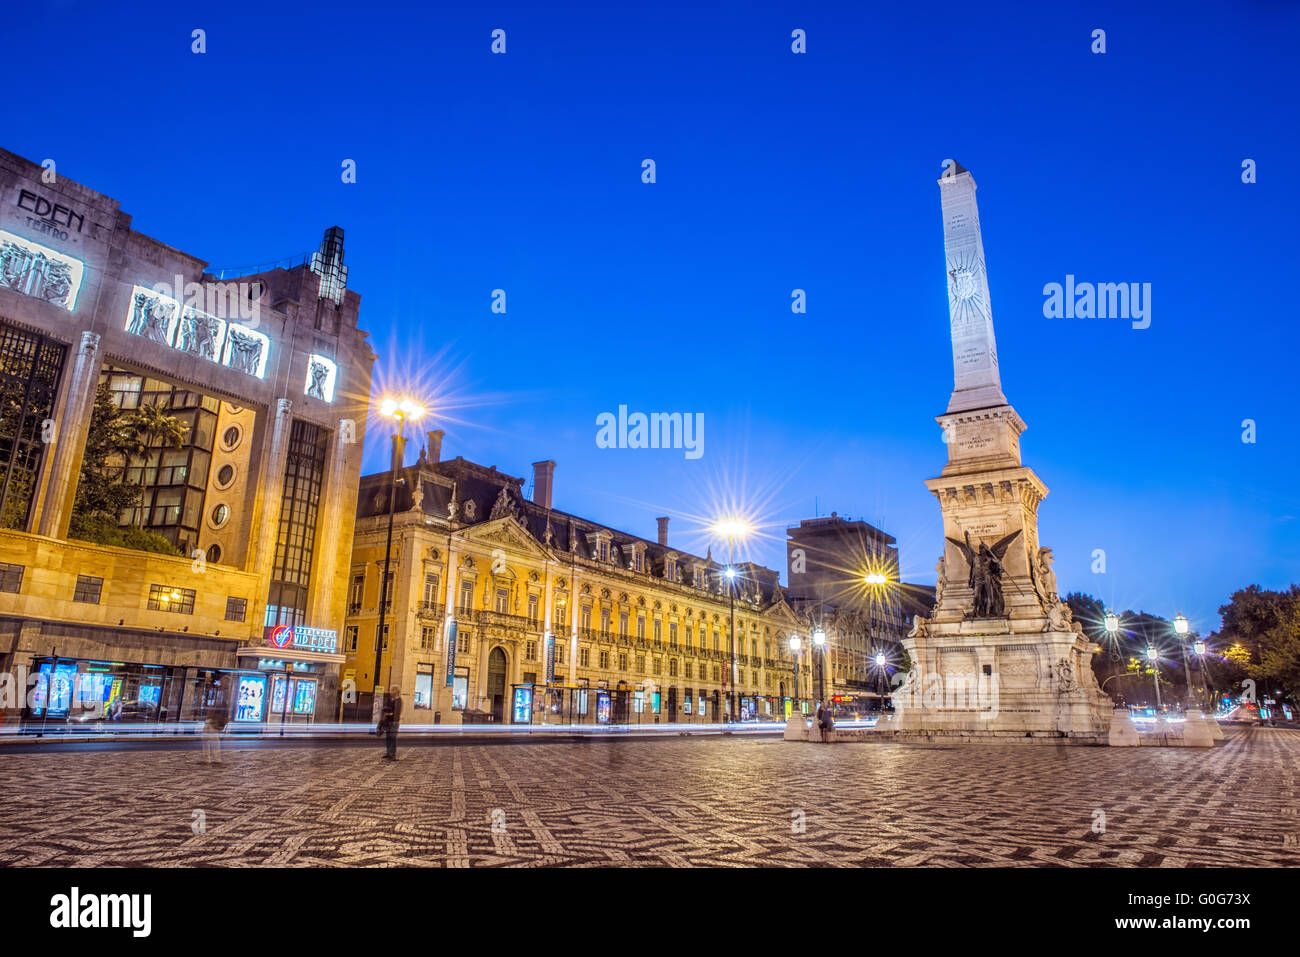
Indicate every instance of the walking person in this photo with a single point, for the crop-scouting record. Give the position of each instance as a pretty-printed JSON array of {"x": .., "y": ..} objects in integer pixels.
[
  {"x": 390, "y": 720},
  {"x": 825, "y": 723},
  {"x": 214, "y": 724}
]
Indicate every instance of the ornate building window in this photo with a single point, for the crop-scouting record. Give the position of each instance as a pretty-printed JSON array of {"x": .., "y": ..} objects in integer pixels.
[
  {"x": 29, "y": 376},
  {"x": 304, "y": 475}
]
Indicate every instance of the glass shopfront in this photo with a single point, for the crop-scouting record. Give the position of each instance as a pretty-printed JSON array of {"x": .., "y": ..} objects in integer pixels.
[{"x": 71, "y": 693}]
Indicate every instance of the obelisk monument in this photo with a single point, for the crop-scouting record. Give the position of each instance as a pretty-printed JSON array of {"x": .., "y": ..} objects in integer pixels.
[{"x": 1001, "y": 656}]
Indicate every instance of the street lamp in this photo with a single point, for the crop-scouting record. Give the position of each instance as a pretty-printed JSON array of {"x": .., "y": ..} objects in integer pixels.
[
  {"x": 819, "y": 641},
  {"x": 1181, "y": 626},
  {"x": 1199, "y": 649},
  {"x": 1154, "y": 657},
  {"x": 1112, "y": 622},
  {"x": 401, "y": 410},
  {"x": 795, "y": 644},
  {"x": 732, "y": 528}
]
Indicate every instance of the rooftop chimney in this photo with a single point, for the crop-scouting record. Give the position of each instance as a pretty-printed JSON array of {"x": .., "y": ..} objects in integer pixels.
[
  {"x": 435, "y": 446},
  {"x": 663, "y": 530},
  {"x": 543, "y": 482}
]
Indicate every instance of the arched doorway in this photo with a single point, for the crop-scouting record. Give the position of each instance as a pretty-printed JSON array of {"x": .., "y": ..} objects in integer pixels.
[{"x": 496, "y": 684}]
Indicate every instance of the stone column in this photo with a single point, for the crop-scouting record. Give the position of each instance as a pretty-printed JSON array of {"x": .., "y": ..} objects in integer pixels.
[
  {"x": 448, "y": 612},
  {"x": 263, "y": 550},
  {"x": 60, "y": 489},
  {"x": 327, "y": 591},
  {"x": 571, "y": 633},
  {"x": 548, "y": 599}
]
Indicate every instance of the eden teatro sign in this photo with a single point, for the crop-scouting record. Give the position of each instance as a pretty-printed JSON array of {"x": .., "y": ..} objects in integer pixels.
[{"x": 302, "y": 638}]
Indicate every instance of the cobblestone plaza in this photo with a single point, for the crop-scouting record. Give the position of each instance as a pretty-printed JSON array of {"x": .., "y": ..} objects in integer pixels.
[{"x": 691, "y": 801}]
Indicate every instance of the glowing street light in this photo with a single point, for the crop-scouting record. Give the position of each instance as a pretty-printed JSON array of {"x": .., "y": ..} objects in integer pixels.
[
  {"x": 1181, "y": 627},
  {"x": 733, "y": 528},
  {"x": 400, "y": 409},
  {"x": 1112, "y": 622},
  {"x": 875, "y": 578},
  {"x": 880, "y": 660}
]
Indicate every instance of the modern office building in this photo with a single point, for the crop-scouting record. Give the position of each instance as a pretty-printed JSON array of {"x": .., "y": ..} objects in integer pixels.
[
  {"x": 231, "y": 410},
  {"x": 504, "y": 608}
]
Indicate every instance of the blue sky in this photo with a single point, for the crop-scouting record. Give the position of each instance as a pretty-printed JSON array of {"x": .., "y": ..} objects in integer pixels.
[{"x": 775, "y": 171}]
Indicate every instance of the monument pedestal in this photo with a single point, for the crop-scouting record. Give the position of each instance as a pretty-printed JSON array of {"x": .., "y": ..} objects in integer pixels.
[{"x": 1001, "y": 658}]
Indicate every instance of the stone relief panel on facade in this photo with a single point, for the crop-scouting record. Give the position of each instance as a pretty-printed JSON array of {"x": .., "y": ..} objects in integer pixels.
[
  {"x": 33, "y": 273},
  {"x": 201, "y": 334},
  {"x": 152, "y": 316},
  {"x": 244, "y": 352}
]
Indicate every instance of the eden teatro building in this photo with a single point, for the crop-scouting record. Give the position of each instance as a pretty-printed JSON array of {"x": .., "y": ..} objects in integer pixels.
[{"x": 179, "y": 461}]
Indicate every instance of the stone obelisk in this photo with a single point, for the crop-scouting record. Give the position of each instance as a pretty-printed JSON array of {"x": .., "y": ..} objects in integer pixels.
[{"x": 1001, "y": 657}]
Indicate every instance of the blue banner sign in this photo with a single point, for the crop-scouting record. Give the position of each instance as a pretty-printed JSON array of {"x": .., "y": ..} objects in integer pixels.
[{"x": 451, "y": 652}]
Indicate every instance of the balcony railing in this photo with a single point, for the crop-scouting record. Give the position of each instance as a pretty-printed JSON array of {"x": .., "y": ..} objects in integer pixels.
[
  {"x": 505, "y": 620},
  {"x": 429, "y": 609},
  {"x": 354, "y": 608}
]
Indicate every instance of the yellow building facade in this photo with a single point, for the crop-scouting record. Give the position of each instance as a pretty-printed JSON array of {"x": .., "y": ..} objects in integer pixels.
[{"x": 504, "y": 609}]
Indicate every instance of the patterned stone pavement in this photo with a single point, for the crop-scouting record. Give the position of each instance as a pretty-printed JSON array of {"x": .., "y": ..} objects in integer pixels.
[{"x": 677, "y": 802}]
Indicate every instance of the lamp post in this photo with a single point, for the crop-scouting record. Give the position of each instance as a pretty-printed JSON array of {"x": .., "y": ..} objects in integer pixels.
[
  {"x": 876, "y": 581},
  {"x": 1154, "y": 657},
  {"x": 1181, "y": 626},
  {"x": 1199, "y": 649},
  {"x": 401, "y": 410},
  {"x": 795, "y": 644},
  {"x": 819, "y": 644},
  {"x": 732, "y": 529}
]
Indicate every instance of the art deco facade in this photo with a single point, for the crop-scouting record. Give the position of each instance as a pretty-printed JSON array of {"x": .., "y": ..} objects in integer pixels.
[
  {"x": 503, "y": 606},
  {"x": 270, "y": 378}
]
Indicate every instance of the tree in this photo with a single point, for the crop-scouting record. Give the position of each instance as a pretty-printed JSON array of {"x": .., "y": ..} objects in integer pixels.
[
  {"x": 103, "y": 493},
  {"x": 1266, "y": 624}
]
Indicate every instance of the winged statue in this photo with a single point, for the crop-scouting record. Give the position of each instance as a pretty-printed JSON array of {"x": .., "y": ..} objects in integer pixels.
[{"x": 985, "y": 573}]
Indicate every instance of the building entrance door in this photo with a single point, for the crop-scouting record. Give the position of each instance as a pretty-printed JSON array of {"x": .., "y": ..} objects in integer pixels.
[
  {"x": 671, "y": 715},
  {"x": 496, "y": 684}
]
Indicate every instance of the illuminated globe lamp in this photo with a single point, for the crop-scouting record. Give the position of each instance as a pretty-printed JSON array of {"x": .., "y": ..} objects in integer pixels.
[
  {"x": 1112, "y": 622},
  {"x": 1199, "y": 647},
  {"x": 875, "y": 578},
  {"x": 1181, "y": 624},
  {"x": 880, "y": 660}
]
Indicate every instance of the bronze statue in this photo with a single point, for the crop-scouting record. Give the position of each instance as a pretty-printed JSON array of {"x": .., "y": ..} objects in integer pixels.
[{"x": 985, "y": 574}]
